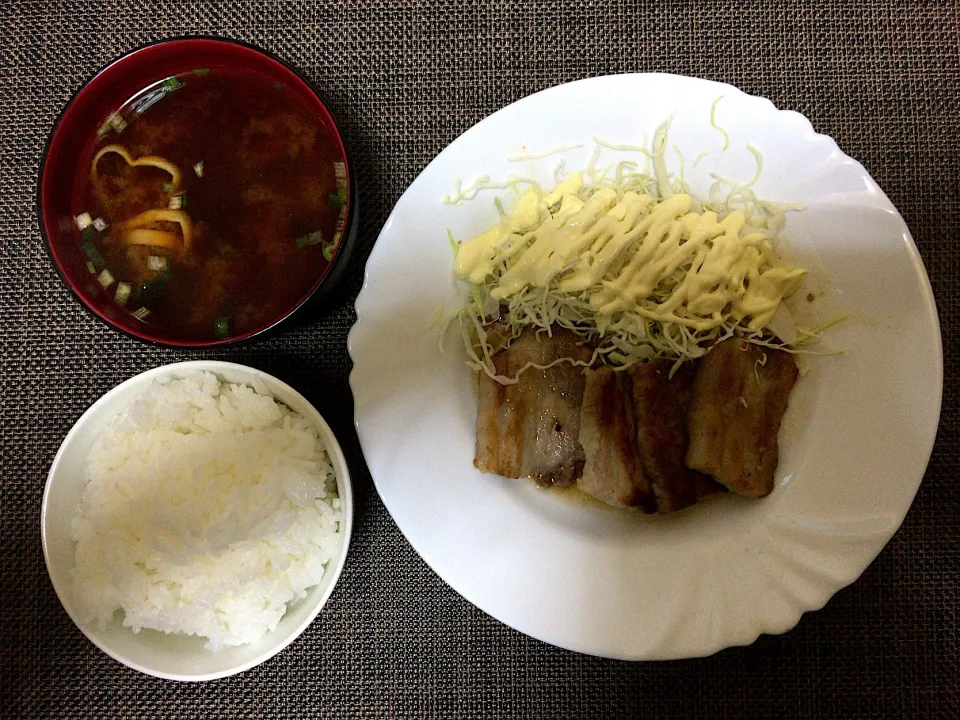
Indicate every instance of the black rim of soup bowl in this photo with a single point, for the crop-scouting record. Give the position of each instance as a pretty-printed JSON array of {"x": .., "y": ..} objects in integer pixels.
[{"x": 310, "y": 306}]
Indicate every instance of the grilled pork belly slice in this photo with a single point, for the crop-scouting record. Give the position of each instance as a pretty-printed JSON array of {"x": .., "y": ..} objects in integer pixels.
[
  {"x": 612, "y": 471},
  {"x": 531, "y": 428},
  {"x": 736, "y": 405},
  {"x": 660, "y": 408}
]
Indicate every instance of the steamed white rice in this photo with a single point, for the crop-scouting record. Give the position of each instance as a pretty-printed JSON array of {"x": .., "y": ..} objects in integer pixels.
[{"x": 208, "y": 508}]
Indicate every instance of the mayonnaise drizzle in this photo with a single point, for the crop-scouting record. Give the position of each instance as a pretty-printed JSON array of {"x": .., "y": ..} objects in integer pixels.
[{"x": 662, "y": 259}]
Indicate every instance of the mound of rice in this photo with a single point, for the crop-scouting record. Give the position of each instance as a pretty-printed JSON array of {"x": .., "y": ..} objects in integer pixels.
[{"x": 208, "y": 508}]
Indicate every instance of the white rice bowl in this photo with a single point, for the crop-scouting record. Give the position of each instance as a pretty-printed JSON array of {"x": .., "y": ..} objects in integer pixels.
[{"x": 208, "y": 509}]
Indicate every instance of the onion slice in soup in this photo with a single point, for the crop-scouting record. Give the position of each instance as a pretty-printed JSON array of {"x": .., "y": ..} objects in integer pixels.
[
  {"x": 153, "y": 238},
  {"x": 135, "y": 231},
  {"x": 147, "y": 160}
]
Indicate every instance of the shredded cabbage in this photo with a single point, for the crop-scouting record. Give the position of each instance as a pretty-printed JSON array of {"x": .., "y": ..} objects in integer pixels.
[
  {"x": 623, "y": 338},
  {"x": 713, "y": 122}
]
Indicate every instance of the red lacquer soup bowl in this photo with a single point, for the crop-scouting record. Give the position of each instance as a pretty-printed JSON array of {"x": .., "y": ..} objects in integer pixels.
[{"x": 198, "y": 192}]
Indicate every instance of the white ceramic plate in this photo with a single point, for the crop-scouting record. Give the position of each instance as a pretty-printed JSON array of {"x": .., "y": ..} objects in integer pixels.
[
  {"x": 177, "y": 657},
  {"x": 855, "y": 441}
]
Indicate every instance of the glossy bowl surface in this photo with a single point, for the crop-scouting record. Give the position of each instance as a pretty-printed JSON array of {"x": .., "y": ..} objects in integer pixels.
[
  {"x": 177, "y": 657},
  {"x": 76, "y": 131}
]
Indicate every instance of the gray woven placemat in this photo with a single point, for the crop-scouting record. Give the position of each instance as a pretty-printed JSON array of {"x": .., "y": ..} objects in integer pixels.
[{"x": 883, "y": 78}]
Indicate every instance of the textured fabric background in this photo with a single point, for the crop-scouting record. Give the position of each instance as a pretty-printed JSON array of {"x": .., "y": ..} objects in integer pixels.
[{"x": 882, "y": 78}]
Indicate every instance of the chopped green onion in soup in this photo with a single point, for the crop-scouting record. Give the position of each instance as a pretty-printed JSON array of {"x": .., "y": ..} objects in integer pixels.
[
  {"x": 123, "y": 293},
  {"x": 153, "y": 290},
  {"x": 314, "y": 238},
  {"x": 117, "y": 122},
  {"x": 330, "y": 248},
  {"x": 89, "y": 248}
]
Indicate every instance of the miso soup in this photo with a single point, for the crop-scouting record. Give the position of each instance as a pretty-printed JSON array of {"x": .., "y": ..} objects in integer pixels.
[{"x": 211, "y": 202}]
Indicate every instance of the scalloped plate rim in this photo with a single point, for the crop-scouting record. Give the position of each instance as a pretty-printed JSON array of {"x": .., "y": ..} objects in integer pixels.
[{"x": 878, "y": 201}]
